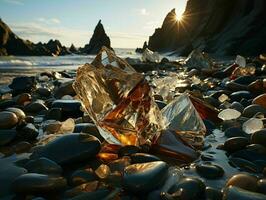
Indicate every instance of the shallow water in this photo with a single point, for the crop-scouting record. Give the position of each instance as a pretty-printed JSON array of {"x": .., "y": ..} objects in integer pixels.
[
  {"x": 220, "y": 158},
  {"x": 60, "y": 62},
  {"x": 13, "y": 66}
]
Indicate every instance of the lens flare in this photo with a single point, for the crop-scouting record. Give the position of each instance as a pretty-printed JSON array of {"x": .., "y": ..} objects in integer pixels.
[{"x": 179, "y": 17}]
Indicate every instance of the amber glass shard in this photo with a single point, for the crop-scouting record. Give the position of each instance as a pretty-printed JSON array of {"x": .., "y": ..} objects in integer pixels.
[
  {"x": 206, "y": 111},
  {"x": 118, "y": 99},
  {"x": 171, "y": 144},
  {"x": 107, "y": 157},
  {"x": 243, "y": 71}
]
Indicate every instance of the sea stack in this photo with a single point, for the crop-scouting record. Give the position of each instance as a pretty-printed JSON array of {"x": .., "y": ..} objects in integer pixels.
[
  {"x": 97, "y": 41},
  {"x": 73, "y": 49},
  {"x": 220, "y": 27}
]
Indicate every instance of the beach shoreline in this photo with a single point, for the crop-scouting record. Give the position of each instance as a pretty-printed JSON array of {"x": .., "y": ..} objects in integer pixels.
[{"x": 8, "y": 74}]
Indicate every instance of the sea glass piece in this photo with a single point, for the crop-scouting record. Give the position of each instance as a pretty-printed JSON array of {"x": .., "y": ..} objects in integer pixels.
[
  {"x": 252, "y": 125},
  {"x": 243, "y": 71},
  {"x": 150, "y": 56},
  {"x": 198, "y": 60},
  {"x": 171, "y": 144},
  {"x": 181, "y": 116},
  {"x": 263, "y": 56},
  {"x": 229, "y": 114},
  {"x": 166, "y": 86},
  {"x": 223, "y": 98},
  {"x": 107, "y": 57},
  {"x": 56, "y": 127},
  {"x": 241, "y": 61},
  {"x": 205, "y": 110},
  {"x": 118, "y": 100},
  {"x": 103, "y": 171}
]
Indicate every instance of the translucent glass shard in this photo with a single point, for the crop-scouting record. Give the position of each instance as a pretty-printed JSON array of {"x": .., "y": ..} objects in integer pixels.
[
  {"x": 223, "y": 98},
  {"x": 198, "y": 60},
  {"x": 150, "y": 56},
  {"x": 118, "y": 100},
  {"x": 167, "y": 86},
  {"x": 229, "y": 114},
  {"x": 243, "y": 71},
  {"x": 107, "y": 57},
  {"x": 103, "y": 171},
  {"x": 56, "y": 127},
  {"x": 182, "y": 117},
  {"x": 241, "y": 61},
  {"x": 253, "y": 125}
]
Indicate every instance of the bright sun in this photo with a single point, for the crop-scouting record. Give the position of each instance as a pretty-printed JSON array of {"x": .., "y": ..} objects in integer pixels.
[{"x": 179, "y": 17}]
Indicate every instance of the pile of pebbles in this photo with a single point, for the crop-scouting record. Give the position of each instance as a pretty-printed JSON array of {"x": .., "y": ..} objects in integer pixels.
[{"x": 50, "y": 149}]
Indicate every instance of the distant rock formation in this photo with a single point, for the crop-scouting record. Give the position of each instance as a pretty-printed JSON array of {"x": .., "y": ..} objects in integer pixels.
[
  {"x": 97, "y": 41},
  {"x": 221, "y": 27},
  {"x": 73, "y": 49},
  {"x": 56, "y": 48},
  {"x": 141, "y": 50},
  {"x": 11, "y": 44}
]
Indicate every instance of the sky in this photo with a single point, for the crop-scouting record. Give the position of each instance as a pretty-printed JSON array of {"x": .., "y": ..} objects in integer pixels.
[{"x": 128, "y": 23}]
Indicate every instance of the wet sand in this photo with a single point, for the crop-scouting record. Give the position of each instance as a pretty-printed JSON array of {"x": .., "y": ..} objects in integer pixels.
[{"x": 7, "y": 75}]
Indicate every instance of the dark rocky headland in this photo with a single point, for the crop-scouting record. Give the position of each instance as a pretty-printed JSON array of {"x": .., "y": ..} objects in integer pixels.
[
  {"x": 11, "y": 44},
  {"x": 220, "y": 27}
]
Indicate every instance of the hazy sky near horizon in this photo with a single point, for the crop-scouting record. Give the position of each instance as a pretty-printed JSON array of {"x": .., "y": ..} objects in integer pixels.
[{"x": 128, "y": 23}]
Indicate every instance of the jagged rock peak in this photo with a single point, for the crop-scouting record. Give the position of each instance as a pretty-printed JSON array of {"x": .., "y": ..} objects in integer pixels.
[
  {"x": 221, "y": 27},
  {"x": 98, "y": 40},
  {"x": 73, "y": 49},
  {"x": 170, "y": 17}
]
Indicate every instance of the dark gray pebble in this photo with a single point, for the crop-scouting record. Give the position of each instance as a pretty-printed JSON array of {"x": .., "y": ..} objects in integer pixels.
[
  {"x": 70, "y": 148},
  {"x": 145, "y": 176},
  {"x": 209, "y": 170}
]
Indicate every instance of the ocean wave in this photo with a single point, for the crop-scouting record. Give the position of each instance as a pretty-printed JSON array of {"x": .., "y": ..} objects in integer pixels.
[
  {"x": 42, "y": 62},
  {"x": 15, "y": 62},
  {"x": 48, "y": 61}
]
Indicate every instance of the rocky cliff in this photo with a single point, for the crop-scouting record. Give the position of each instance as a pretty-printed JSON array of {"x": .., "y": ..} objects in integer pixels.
[
  {"x": 11, "y": 44},
  {"x": 221, "y": 27},
  {"x": 97, "y": 41}
]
